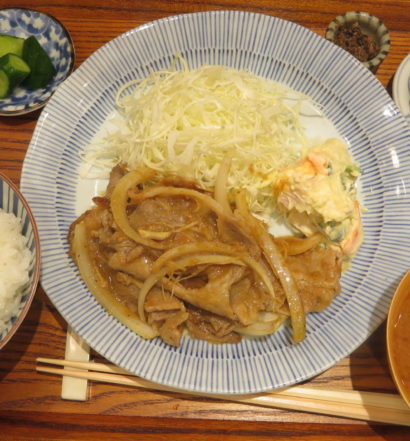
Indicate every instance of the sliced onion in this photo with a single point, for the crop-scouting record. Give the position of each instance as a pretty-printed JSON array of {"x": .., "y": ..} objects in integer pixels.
[
  {"x": 276, "y": 262},
  {"x": 119, "y": 202},
  {"x": 295, "y": 245},
  {"x": 221, "y": 184},
  {"x": 173, "y": 266},
  {"x": 221, "y": 193},
  {"x": 219, "y": 248},
  {"x": 205, "y": 199},
  {"x": 208, "y": 201},
  {"x": 195, "y": 248},
  {"x": 266, "y": 324},
  {"x": 158, "y": 235},
  {"x": 103, "y": 295}
]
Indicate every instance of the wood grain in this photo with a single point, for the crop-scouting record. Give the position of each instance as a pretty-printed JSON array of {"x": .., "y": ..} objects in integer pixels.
[
  {"x": 107, "y": 428},
  {"x": 30, "y": 403}
]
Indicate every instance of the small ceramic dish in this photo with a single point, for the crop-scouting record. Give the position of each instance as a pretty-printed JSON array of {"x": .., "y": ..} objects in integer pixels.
[
  {"x": 12, "y": 201},
  {"x": 401, "y": 87},
  {"x": 398, "y": 337},
  {"x": 55, "y": 40},
  {"x": 371, "y": 27}
]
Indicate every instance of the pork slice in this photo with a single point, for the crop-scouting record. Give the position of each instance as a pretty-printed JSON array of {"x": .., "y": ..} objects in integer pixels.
[
  {"x": 248, "y": 298},
  {"x": 214, "y": 296},
  {"x": 140, "y": 267},
  {"x": 171, "y": 329},
  {"x": 115, "y": 175},
  {"x": 317, "y": 274},
  {"x": 158, "y": 300},
  {"x": 167, "y": 314},
  {"x": 211, "y": 327},
  {"x": 162, "y": 214}
]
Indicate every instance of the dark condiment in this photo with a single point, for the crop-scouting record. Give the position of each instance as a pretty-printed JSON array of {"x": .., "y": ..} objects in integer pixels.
[{"x": 360, "y": 45}]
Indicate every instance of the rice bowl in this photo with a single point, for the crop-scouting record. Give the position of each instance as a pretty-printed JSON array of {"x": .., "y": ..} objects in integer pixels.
[{"x": 19, "y": 259}]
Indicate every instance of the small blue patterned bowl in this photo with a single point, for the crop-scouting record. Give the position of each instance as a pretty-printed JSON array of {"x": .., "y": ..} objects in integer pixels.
[
  {"x": 12, "y": 201},
  {"x": 55, "y": 40}
]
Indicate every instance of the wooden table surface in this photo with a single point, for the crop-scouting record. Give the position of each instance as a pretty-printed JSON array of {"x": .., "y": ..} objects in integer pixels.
[{"x": 30, "y": 403}]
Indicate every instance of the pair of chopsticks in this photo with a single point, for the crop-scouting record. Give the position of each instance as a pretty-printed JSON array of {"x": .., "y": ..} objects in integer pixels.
[{"x": 368, "y": 406}]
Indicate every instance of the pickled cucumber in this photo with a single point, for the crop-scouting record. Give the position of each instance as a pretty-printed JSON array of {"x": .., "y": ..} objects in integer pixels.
[
  {"x": 15, "y": 68},
  {"x": 11, "y": 45},
  {"x": 42, "y": 69},
  {"x": 4, "y": 84}
]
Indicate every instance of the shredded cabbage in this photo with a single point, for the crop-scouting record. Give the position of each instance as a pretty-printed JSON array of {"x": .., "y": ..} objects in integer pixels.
[{"x": 186, "y": 122}]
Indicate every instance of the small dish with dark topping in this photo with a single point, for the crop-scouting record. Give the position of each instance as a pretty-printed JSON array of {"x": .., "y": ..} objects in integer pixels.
[{"x": 361, "y": 34}]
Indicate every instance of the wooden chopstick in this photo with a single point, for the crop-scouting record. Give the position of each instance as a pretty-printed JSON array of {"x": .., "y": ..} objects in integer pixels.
[
  {"x": 353, "y": 397},
  {"x": 368, "y": 406}
]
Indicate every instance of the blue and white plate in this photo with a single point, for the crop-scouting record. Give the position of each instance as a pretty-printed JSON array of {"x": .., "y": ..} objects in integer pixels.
[
  {"x": 55, "y": 40},
  {"x": 354, "y": 103}
]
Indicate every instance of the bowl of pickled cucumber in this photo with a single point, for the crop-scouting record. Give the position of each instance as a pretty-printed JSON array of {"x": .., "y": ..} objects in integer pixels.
[{"x": 36, "y": 55}]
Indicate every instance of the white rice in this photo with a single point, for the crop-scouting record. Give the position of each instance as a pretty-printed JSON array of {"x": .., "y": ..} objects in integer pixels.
[{"x": 14, "y": 266}]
